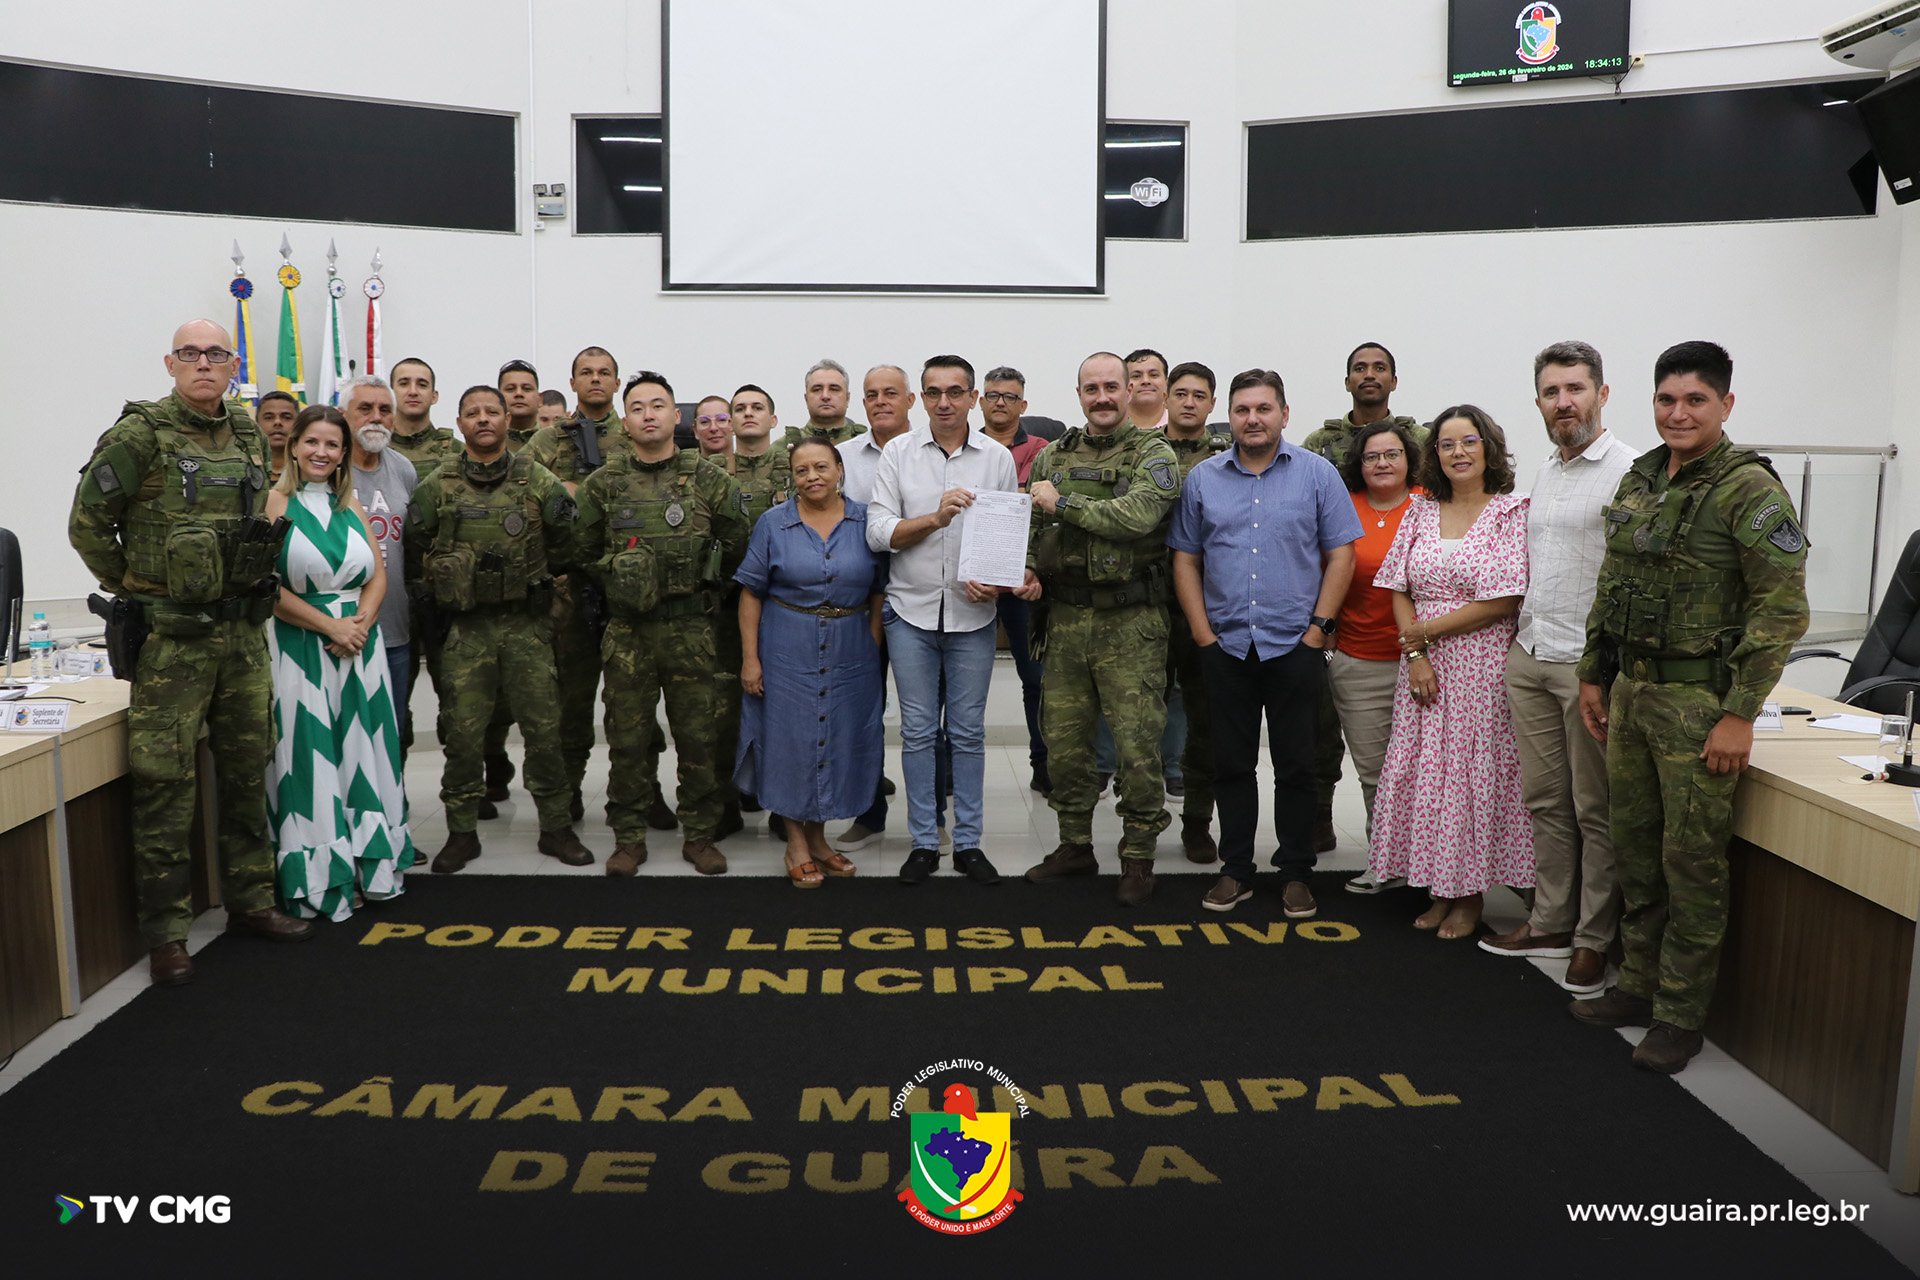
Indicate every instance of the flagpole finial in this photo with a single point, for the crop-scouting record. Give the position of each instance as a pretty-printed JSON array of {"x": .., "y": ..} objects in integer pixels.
[
  {"x": 286, "y": 249},
  {"x": 239, "y": 260},
  {"x": 333, "y": 255},
  {"x": 376, "y": 261}
]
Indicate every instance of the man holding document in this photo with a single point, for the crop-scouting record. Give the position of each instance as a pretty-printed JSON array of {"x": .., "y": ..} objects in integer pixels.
[
  {"x": 943, "y": 625},
  {"x": 1103, "y": 495}
]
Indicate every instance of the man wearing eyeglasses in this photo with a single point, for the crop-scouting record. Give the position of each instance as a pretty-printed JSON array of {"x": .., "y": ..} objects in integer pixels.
[
  {"x": 713, "y": 428},
  {"x": 167, "y": 519},
  {"x": 827, "y": 398},
  {"x": 940, "y": 635},
  {"x": 1001, "y": 404}
]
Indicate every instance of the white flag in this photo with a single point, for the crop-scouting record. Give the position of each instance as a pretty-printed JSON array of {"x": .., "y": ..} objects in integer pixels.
[{"x": 332, "y": 358}]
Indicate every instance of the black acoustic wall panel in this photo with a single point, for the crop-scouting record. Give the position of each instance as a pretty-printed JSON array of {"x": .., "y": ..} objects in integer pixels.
[
  {"x": 120, "y": 142},
  {"x": 1892, "y": 115},
  {"x": 1727, "y": 156}
]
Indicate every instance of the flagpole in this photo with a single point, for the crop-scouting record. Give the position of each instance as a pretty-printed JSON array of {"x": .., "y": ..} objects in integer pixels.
[
  {"x": 331, "y": 348},
  {"x": 290, "y": 370},
  {"x": 374, "y": 288},
  {"x": 243, "y": 384}
]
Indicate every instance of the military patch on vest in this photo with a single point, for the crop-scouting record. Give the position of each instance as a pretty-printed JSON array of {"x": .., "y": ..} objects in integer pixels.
[
  {"x": 1787, "y": 536},
  {"x": 1760, "y": 520},
  {"x": 1057, "y": 476},
  {"x": 676, "y": 516},
  {"x": 513, "y": 524},
  {"x": 103, "y": 475},
  {"x": 1164, "y": 476},
  {"x": 740, "y": 500},
  {"x": 1642, "y": 536},
  {"x": 1618, "y": 515}
]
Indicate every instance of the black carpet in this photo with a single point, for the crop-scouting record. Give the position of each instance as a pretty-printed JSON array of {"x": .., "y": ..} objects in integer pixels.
[{"x": 1351, "y": 1097}]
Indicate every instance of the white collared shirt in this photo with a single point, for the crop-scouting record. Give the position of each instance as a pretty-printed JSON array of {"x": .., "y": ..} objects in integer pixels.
[
  {"x": 924, "y": 586},
  {"x": 860, "y": 456},
  {"x": 1566, "y": 541}
]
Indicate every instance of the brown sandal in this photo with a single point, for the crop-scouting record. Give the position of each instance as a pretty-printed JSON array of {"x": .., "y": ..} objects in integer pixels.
[
  {"x": 797, "y": 876},
  {"x": 837, "y": 864}
]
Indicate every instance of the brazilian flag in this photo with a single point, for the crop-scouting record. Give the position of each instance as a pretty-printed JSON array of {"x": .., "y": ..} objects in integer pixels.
[{"x": 291, "y": 369}]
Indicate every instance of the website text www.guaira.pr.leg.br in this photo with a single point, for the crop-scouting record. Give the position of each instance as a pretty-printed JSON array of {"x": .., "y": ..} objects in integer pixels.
[{"x": 1731, "y": 1213}]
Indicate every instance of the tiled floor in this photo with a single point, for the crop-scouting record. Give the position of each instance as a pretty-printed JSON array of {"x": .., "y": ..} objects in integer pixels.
[{"x": 1019, "y": 830}]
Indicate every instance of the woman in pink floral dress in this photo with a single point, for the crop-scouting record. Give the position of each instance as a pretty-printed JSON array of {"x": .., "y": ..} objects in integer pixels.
[{"x": 1448, "y": 815}]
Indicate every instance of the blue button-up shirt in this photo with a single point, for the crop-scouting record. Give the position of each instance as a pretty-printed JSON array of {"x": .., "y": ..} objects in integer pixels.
[{"x": 1261, "y": 538}]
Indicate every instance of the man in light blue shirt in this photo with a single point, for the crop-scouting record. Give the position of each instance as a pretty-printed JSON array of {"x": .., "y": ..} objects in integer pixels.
[{"x": 1262, "y": 555}]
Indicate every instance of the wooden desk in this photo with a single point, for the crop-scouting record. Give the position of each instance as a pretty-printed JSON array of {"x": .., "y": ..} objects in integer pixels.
[
  {"x": 34, "y": 949},
  {"x": 1816, "y": 992}
]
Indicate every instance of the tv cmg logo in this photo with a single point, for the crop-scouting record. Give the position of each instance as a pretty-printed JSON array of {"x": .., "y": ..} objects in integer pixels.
[{"x": 166, "y": 1210}]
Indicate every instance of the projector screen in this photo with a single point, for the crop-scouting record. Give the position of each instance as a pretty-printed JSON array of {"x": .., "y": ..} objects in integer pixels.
[{"x": 960, "y": 152}]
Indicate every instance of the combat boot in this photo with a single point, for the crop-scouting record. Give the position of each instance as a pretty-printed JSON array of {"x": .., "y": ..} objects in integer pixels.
[
  {"x": 564, "y": 846},
  {"x": 731, "y": 822},
  {"x": 1197, "y": 839},
  {"x": 487, "y": 810},
  {"x": 1065, "y": 860},
  {"x": 1667, "y": 1048},
  {"x": 499, "y": 774},
  {"x": 706, "y": 859},
  {"x": 578, "y": 809},
  {"x": 461, "y": 848},
  {"x": 1136, "y": 881},
  {"x": 626, "y": 858},
  {"x": 170, "y": 965},
  {"x": 1614, "y": 1009}
]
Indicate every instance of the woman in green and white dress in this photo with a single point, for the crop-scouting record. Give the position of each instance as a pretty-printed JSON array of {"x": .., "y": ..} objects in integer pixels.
[{"x": 333, "y": 790}]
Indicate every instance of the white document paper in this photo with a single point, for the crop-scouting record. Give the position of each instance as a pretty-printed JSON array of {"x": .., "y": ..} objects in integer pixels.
[
  {"x": 1866, "y": 764},
  {"x": 1869, "y": 725},
  {"x": 993, "y": 539}
]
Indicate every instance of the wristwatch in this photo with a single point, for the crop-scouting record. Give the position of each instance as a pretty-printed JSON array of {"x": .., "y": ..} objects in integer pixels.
[{"x": 1327, "y": 625}]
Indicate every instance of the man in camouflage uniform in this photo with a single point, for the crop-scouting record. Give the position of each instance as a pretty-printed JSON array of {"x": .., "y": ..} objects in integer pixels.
[
  {"x": 1701, "y": 596},
  {"x": 828, "y": 395},
  {"x": 484, "y": 531},
  {"x": 1103, "y": 495},
  {"x": 574, "y": 450},
  {"x": 167, "y": 518},
  {"x": 519, "y": 382},
  {"x": 661, "y": 530},
  {"x": 1189, "y": 402},
  {"x": 1372, "y": 377},
  {"x": 416, "y": 439},
  {"x": 765, "y": 480}
]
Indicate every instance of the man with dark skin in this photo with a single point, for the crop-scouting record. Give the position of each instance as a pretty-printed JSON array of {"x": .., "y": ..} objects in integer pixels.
[
  {"x": 520, "y": 387},
  {"x": 595, "y": 379},
  {"x": 274, "y": 416}
]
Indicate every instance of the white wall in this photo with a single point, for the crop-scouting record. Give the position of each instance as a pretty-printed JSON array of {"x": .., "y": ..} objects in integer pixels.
[{"x": 1814, "y": 312}]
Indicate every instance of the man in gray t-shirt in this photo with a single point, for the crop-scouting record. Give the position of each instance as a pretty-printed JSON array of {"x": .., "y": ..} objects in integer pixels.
[{"x": 383, "y": 481}]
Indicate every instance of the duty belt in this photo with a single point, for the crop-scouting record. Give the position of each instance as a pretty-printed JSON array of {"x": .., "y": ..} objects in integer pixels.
[
  {"x": 226, "y": 609},
  {"x": 1139, "y": 591},
  {"x": 677, "y": 607},
  {"x": 1668, "y": 670},
  {"x": 820, "y": 610}
]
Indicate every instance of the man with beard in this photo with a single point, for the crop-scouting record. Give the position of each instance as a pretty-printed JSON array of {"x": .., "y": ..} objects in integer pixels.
[
  {"x": 827, "y": 398},
  {"x": 415, "y": 438},
  {"x": 384, "y": 483},
  {"x": 1576, "y": 895}
]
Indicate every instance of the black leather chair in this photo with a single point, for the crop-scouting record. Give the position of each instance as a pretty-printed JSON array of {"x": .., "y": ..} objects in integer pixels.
[
  {"x": 1887, "y": 665},
  {"x": 11, "y": 598},
  {"x": 1042, "y": 428}
]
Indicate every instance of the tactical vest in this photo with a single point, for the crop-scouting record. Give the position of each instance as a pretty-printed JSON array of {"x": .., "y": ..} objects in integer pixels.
[
  {"x": 1079, "y": 568},
  {"x": 1660, "y": 598},
  {"x": 489, "y": 548},
  {"x": 1191, "y": 453},
  {"x": 660, "y": 545},
  {"x": 425, "y": 449},
  {"x": 194, "y": 535},
  {"x": 766, "y": 486}
]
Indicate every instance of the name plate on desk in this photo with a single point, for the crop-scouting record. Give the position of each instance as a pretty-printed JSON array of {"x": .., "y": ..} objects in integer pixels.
[
  {"x": 84, "y": 662},
  {"x": 1769, "y": 717},
  {"x": 37, "y": 717}
]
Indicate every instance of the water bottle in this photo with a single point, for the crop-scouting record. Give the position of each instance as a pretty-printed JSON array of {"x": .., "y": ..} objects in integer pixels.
[{"x": 40, "y": 644}]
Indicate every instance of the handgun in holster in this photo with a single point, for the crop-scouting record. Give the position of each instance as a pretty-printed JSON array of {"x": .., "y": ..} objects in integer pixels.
[
  {"x": 590, "y": 598},
  {"x": 127, "y": 630}
]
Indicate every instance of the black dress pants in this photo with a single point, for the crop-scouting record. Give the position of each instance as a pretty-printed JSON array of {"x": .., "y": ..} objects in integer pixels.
[{"x": 1288, "y": 689}]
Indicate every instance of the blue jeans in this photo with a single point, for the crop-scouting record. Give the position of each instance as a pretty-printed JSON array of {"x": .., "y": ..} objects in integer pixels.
[
  {"x": 924, "y": 661},
  {"x": 397, "y": 670},
  {"x": 1016, "y": 615}
]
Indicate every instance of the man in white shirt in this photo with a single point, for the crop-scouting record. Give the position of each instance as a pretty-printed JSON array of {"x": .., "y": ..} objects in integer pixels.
[
  {"x": 1576, "y": 899},
  {"x": 886, "y": 398},
  {"x": 942, "y": 629}
]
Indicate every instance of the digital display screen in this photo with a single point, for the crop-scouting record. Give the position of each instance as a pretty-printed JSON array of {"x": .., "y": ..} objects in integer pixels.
[{"x": 1503, "y": 41}]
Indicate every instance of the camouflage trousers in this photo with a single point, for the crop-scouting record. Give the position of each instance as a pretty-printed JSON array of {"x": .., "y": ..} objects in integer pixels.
[
  {"x": 225, "y": 681},
  {"x": 486, "y": 656},
  {"x": 643, "y": 661},
  {"x": 576, "y": 661},
  {"x": 1671, "y": 822},
  {"x": 1196, "y": 760},
  {"x": 726, "y": 675},
  {"x": 1111, "y": 661}
]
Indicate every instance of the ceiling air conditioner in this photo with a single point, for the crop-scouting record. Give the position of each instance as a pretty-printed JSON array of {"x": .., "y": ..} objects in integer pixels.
[{"x": 1877, "y": 39}]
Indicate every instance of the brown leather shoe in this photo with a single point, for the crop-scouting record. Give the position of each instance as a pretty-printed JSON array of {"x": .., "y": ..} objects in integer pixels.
[
  {"x": 1325, "y": 838},
  {"x": 705, "y": 857},
  {"x": 1586, "y": 972},
  {"x": 1226, "y": 894},
  {"x": 1065, "y": 860},
  {"x": 1197, "y": 840},
  {"x": 1297, "y": 901},
  {"x": 1136, "y": 881},
  {"x": 1614, "y": 1009},
  {"x": 170, "y": 965},
  {"x": 1667, "y": 1048},
  {"x": 1545, "y": 946},
  {"x": 461, "y": 848},
  {"x": 626, "y": 859},
  {"x": 564, "y": 846},
  {"x": 272, "y": 924}
]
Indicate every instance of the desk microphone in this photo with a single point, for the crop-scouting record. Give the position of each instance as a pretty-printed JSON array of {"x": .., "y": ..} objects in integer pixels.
[{"x": 1904, "y": 774}]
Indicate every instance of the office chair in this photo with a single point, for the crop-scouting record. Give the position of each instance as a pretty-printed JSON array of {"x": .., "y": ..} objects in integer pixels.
[
  {"x": 1042, "y": 428},
  {"x": 1887, "y": 664},
  {"x": 12, "y": 597}
]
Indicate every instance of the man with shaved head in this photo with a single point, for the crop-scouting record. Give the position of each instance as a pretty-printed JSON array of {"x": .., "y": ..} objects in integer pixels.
[{"x": 167, "y": 519}]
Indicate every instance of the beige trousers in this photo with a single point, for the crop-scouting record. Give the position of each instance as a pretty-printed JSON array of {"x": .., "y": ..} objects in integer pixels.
[
  {"x": 1363, "y": 695},
  {"x": 1563, "y": 774}
]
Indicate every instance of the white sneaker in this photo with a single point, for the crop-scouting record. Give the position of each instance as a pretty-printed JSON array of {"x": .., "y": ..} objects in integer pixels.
[
  {"x": 856, "y": 838},
  {"x": 1365, "y": 883}
]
